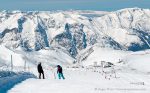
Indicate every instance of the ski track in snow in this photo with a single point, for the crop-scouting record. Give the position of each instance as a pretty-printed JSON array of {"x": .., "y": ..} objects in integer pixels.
[{"x": 85, "y": 81}]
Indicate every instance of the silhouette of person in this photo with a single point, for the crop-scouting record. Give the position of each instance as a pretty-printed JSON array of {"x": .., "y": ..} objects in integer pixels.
[{"x": 40, "y": 70}]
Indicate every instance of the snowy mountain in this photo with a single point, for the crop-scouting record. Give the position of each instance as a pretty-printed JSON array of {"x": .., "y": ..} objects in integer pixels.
[
  {"x": 98, "y": 50},
  {"x": 126, "y": 29}
]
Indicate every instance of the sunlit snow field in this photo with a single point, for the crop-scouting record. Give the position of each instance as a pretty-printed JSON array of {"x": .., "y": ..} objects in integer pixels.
[{"x": 132, "y": 73}]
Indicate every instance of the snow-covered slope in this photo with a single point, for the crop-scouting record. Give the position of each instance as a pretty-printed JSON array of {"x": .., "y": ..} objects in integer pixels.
[
  {"x": 129, "y": 27},
  {"x": 22, "y": 60}
]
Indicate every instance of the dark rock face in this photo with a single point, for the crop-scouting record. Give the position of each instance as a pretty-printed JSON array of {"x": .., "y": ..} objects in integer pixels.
[{"x": 74, "y": 39}]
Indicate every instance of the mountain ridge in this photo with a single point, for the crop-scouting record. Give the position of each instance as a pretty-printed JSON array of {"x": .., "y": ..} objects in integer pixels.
[{"x": 126, "y": 29}]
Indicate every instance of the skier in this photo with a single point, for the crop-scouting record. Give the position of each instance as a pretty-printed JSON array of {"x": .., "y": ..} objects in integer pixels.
[
  {"x": 60, "y": 72},
  {"x": 40, "y": 70}
]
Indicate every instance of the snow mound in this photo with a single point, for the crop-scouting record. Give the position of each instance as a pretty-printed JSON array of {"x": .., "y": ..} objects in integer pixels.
[{"x": 12, "y": 78}]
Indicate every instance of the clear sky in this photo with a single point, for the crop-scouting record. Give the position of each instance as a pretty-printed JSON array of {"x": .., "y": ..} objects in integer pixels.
[{"x": 46, "y": 5}]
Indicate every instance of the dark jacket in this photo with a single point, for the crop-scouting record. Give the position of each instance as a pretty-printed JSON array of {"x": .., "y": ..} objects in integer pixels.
[
  {"x": 59, "y": 69},
  {"x": 40, "y": 69}
]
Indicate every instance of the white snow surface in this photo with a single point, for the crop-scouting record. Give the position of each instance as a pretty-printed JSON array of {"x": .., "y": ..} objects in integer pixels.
[
  {"x": 132, "y": 74},
  {"x": 89, "y": 81}
]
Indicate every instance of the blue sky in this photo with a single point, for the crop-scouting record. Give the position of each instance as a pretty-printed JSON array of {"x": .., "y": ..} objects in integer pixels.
[{"x": 46, "y": 5}]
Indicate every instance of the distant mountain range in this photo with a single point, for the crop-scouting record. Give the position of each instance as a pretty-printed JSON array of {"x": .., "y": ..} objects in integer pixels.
[{"x": 73, "y": 31}]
